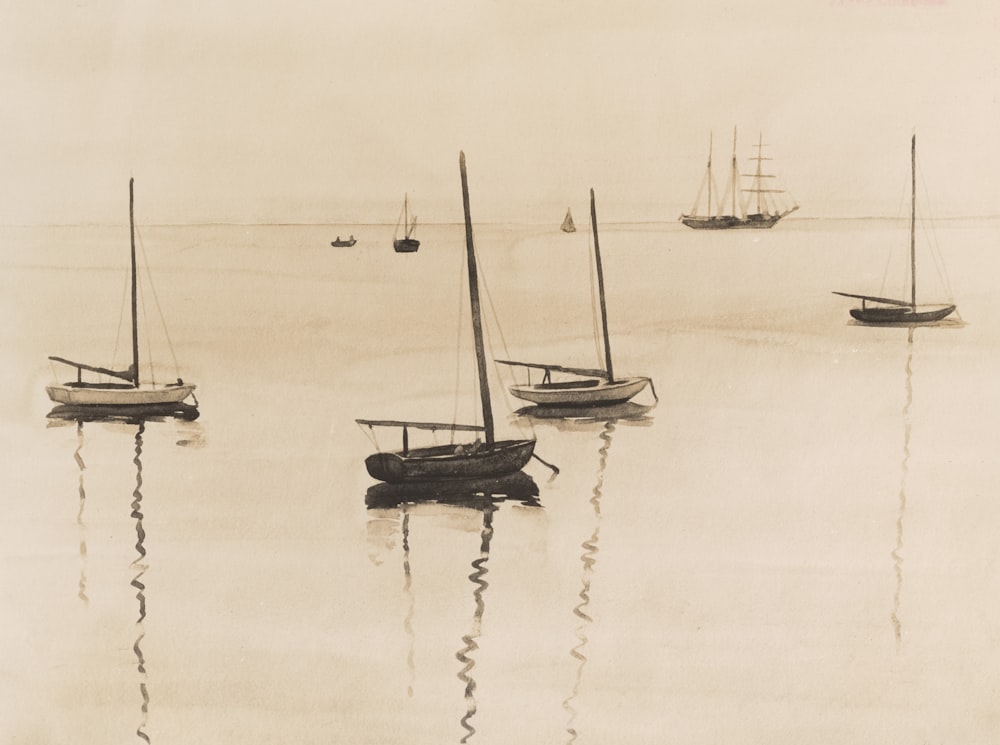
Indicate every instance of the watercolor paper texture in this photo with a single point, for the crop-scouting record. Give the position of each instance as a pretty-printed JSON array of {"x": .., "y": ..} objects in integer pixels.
[{"x": 787, "y": 536}]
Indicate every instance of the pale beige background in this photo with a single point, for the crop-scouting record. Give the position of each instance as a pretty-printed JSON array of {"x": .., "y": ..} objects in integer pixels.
[
  {"x": 306, "y": 112},
  {"x": 310, "y": 112}
]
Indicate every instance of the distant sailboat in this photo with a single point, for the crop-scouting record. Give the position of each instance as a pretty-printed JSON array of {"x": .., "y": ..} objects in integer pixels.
[
  {"x": 477, "y": 460},
  {"x": 592, "y": 387},
  {"x": 567, "y": 223},
  {"x": 341, "y": 243},
  {"x": 100, "y": 398},
  {"x": 406, "y": 244},
  {"x": 902, "y": 312},
  {"x": 766, "y": 210}
]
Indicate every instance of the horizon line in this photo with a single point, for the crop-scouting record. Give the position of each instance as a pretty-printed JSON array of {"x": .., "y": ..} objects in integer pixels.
[{"x": 227, "y": 223}]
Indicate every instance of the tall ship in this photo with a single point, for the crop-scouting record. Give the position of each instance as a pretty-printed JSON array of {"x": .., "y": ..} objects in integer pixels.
[{"x": 756, "y": 206}]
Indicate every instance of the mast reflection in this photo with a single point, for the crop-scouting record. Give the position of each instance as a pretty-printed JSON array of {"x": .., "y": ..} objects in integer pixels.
[
  {"x": 588, "y": 562},
  {"x": 897, "y": 551},
  {"x": 139, "y": 564},
  {"x": 453, "y": 498},
  {"x": 78, "y": 457},
  {"x": 585, "y": 417}
]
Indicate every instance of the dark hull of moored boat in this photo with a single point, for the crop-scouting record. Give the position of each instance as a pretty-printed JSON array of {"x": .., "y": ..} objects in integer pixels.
[
  {"x": 342, "y": 244},
  {"x": 478, "y": 493},
  {"x": 903, "y": 316},
  {"x": 451, "y": 462},
  {"x": 730, "y": 222},
  {"x": 406, "y": 245}
]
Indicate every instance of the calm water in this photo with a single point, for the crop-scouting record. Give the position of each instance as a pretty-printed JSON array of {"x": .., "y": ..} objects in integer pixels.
[{"x": 797, "y": 544}]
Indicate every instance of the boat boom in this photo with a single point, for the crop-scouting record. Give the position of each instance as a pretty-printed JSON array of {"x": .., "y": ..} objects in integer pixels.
[
  {"x": 128, "y": 375},
  {"x": 593, "y": 373},
  {"x": 886, "y": 300}
]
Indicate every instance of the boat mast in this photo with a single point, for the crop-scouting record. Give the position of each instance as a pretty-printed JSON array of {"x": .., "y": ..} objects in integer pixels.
[
  {"x": 913, "y": 222},
  {"x": 600, "y": 289},
  {"x": 477, "y": 328},
  {"x": 135, "y": 315},
  {"x": 406, "y": 216}
]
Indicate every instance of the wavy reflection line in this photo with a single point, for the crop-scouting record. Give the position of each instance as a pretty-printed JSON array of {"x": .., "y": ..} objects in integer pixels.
[
  {"x": 136, "y": 582},
  {"x": 897, "y": 555},
  {"x": 408, "y": 590},
  {"x": 82, "y": 584},
  {"x": 588, "y": 559},
  {"x": 464, "y": 655}
]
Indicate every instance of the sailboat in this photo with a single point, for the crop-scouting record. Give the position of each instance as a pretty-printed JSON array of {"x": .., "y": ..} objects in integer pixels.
[
  {"x": 904, "y": 312},
  {"x": 476, "y": 460},
  {"x": 767, "y": 212},
  {"x": 590, "y": 387},
  {"x": 567, "y": 223},
  {"x": 98, "y": 398},
  {"x": 406, "y": 244}
]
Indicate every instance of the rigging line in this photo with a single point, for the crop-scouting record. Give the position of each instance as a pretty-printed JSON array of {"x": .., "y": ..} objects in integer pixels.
[
  {"x": 892, "y": 249},
  {"x": 930, "y": 228},
  {"x": 156, "y": 299},
  {"x": 118, "y": 332},
  {"x": 489, "y": 340},
  {"x": 599, "y": 354},
  {"x": 900, "y": 207},
  {"x": 458, "y": 345},
  {"x": 718, "y": 201},
  {"x": 370, "y": 434},
  {"x": 498, "y": 372},
  {"x": 149, "y": 347},
  {"x": 493, "y": 310},
  {"x": 488, "y": 332},
  {"x": 395, "y": 231},
  {"x": 697, "y": 198}
]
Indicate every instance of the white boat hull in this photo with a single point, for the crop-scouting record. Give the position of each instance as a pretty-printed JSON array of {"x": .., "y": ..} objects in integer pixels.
[
  {"x": 601, "y": 393},
  {"x": 75, "y": 395}
]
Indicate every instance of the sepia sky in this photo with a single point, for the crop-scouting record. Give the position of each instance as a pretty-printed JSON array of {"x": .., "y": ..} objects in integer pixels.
[{"x": 298, "y": 111}]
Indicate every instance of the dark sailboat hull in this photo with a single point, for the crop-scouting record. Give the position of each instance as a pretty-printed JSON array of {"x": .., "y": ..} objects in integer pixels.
[
  {"x": 730, "y": 222},
  {"x": 901, "y": 316},
  {"x": 450, "y": 462},
  {"x": 406, "y": 245},
  {"x": 343, "y": 244}
]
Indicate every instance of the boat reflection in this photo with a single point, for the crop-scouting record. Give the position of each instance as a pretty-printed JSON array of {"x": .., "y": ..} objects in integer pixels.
[
  {"x": 588, "y": 561},
  {"x": 138, "y": 565},
  {"x": 78, "y": 457},
  {"x": 470, "y": 493},
  {"x": 585, "y": 417},
  {"x": 897, "y": 551},
  {"x": 391, "y": 507},
  {"x": 129, "y": 414}
]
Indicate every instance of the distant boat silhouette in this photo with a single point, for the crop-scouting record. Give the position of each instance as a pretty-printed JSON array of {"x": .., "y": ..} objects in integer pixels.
[
  {"x": 567, "y": 223},
  {"x": 474, "y": 460},
  {"x": 96, "y": 399},
  {"x": 903, "y": 312},
  {"x": 592, "y": 387},
  {"x": 766, "y": 212},
  {"x": 340, "y": 243},
  {"x": 406, "y": 244}
]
